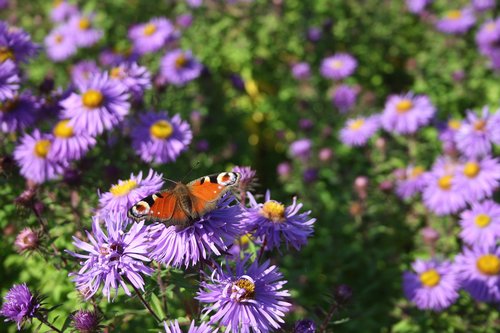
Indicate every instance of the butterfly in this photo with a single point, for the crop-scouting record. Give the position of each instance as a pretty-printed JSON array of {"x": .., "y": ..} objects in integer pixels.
[{"x": 184, "y": 203}]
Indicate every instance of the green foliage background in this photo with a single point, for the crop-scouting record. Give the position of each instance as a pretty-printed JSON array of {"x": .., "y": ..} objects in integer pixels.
[{"x": 397, "y": 52}]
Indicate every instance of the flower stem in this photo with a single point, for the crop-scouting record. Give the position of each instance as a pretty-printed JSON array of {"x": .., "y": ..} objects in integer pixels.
[
  {"x": 145, "y": 303},
  {"x": 329, "y": 315},
  {"x": 262, "y": 249},
  {"x": 163, "y": 289},
  {"x": 46, "y": 322}
]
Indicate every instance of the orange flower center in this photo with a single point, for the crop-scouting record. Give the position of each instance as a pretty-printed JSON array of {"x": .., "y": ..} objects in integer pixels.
[
  {"x": 181, "y": 61},
  {"x": 488, "y": 264},
  {"x": 248, "y": 286},
  {"x": 336, "y": 64},
  {"x": 273, "y": 211},
  {"x": 58, "y": 39},
  {"x": 123, "y": 187},
  {"x": 6, "y": 53},
  {"x": 116, "y": 73},
  {"x": 42, "y": 148},
  {"x": 149, "y": 29},
  {"x": 161, "y": 129},
  {"x": 63, "y": 130},
  {"x": 84, "y": 24},
  {"x": 454, "y": 124},
  {"x": 92, "y": 98},
  {"x": 445, "y": 182},
  {"x": 480, "y": 125},
  {"x": 403, "y": 106},
  {"x": 357, "y": 124},
  {"x": 430, "y": 278}
]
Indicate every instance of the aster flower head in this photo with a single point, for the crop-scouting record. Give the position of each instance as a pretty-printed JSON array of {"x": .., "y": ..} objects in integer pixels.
[
  {"x": 457, "y": 21},
  {"x": 82, "y": 71},
  {"x": 447, "y": 136},
  {"x": 301, "y": 148},
  {"x": 441, "y": 194},
  {"x": 479, "y": 178},
  {"x": 135, "y": 78},
  {"x": 483, "y": 5},
  {"x": 417, "y": 6},
  {"x": 432, "y": 285},
  {"x": 113, "y": 258},
  {"x": 301, "y": 71},
  {"x": 488, "y": 36},
  {"x": 276, "y": 223},
  {"x": 338, "y": 66},
  {"x": 62, "y": 10},
  {"x": 60, "y": 44},
  {"x": 85, "y": 321},
  {"x": 27, "y": 240},
  {"x": 9, "y": 80},
  {"x": 477, "y": 133},
  {"x": 21, "y": 305},
  {"x": 33, "y": 157},
  {"x": 15, "y": 44},
  {"x": 66, "y": 145},
  {"x": 479, "y": 270},
  {"x": 18, "y": 112},
  {"x": 247, "y": 178},
  {"x": 157, "y": 138},
  {"x": 173, "y": 327},
  {"x": 344, "y": 97},
  {"x": 100, "y": 105},
  {"x": 83, "y": 31},
  {"x": 481, "y": 224},
  {"x": 246, "y": 298},
  {"x": 151, "y": 36},
  {"x": 213, "y": 232},
  {"x": 194, "y": 3},
  {"x": 122, "y": 196},
  {"x": 179, "y": 67},
  {"x": 412, "y": 182},
  {"x": 405, "y": 114},
  {"x": 358, "y": 131}
]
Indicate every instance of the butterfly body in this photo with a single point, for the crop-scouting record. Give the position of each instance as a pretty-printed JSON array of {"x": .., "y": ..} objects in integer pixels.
[{"x": 184, "y": 203}]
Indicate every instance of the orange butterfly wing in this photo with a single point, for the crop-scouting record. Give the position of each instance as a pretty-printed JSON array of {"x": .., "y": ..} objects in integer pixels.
[{"x": 166, "y": 209}]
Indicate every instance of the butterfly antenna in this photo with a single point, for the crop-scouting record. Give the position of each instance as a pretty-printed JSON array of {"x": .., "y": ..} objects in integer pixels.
[
  {"x": 191, "y": 170},
  {"x": 170, "y": 180}
]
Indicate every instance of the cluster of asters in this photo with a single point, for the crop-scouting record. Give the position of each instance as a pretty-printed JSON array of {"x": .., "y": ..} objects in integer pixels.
[{"x": 459, "y": 21}]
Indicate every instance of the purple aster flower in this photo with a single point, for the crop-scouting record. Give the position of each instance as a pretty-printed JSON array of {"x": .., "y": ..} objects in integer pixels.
[
  {"x": 477, "y": 179},
  {"x": 15, "y": 44},
  {"x": 27, "y": 240},
  {"x": 122, "y": 196},
  {"x": 21, "y": 305},
  {"x": 274, "y": 223},
  {"x": 359, "y": 130},
  {"x": 158, "y": 138},
  {"x": 488, "y": 37},
  {"x": 344, "y": 97},
  {"x": 412, "y": 182},
  {"x": 214, "y": 232},
  {"x": 179, "y": 67},
  {"x": 9, "y": 80},
  {"x": 247, "y": 177},
  {"x": 83, "y": 71},
  {"x": 62, "y": 10},
  {"x": 476, "y": 134},
  {"x": 151, "y": 36},
  {"x": 173, "y": 327},
  {"x": 66, "y": 145},
  {"x": 100, "y": 105},
  {"x": 301, "y": 148},
  {"x": 245, "y": 299},
  {"x": 32, "y": 156},
  {"x": 114, "y": 259},
  {"x": 85, "y": 321},
  {"x": 83, "y": 31},
  {"x": 417, "y": 6},
  {"x": 483, "y": 5},
  {"x": 481, "y": 224},
  {"x": 479, "y": 270},
  {"x": 194, "y": 3},
  {"x": 301, "y": 71},
  {"x": 314, "y": 34},
  {"x": 447, "y": 136},
  {"x": 441, "y": 194},
  {"x": 432, "y": 285},
  {"x": 284, "y": 169},
  {"x": 60, "y": 44},
  {"x": 184, "y": 20},
  {"x": 18, "y": 113},
  {"x": 405, "y": 114},
  {"x": 135, "y": 78},
  {"x": 304, "y": 326},
  {"x": 456, "y": 21},
  {"x": 338, "y": 66}
]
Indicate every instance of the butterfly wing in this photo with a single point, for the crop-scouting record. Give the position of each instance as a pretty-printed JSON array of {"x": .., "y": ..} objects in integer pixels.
[{"x": 159, "y": 207}]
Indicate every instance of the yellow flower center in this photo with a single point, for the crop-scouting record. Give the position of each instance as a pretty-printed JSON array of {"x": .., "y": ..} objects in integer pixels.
[
  {"x": 336, "y": 64},
  {"x": 42, "y": 148},
  {"x": 454, "y": 124},
  {"x": 480, "y": 125},
  {"x": 357, "y": 124},
  {"x": 116, "y": 73},
  {"x": 430, "y": 278},
  {"x": 149, "y": 29},
  {"x": 482, "y": 220},
  {"x": 488, "y": 264},
  {"x": 273, "y": 211},
  {"x": 6, "y": 53},
  {"x": 84, "y": 23},
  {"x": 58, "y": 39},
  {"x": 63, "y": 130},
  {"x": 445, "y": 182},
  {"x": 161, "y": 129},
  {"x": 416, "y": 171},
  {"x": 123, "y": 187},
  {"x": 453, "y": 14},
  {"x": 181, "y": 61},
  {"x": 403, "y": 106},
  {"x": 471, "y": 169},
  {"x": 249, "y": 287},
  {"x": 92, "y": 98},
  {"x": 245, "y": 239}
]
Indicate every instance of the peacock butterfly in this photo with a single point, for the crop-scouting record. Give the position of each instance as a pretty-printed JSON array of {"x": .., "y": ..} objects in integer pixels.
[{"x": 184, "y": 203}]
